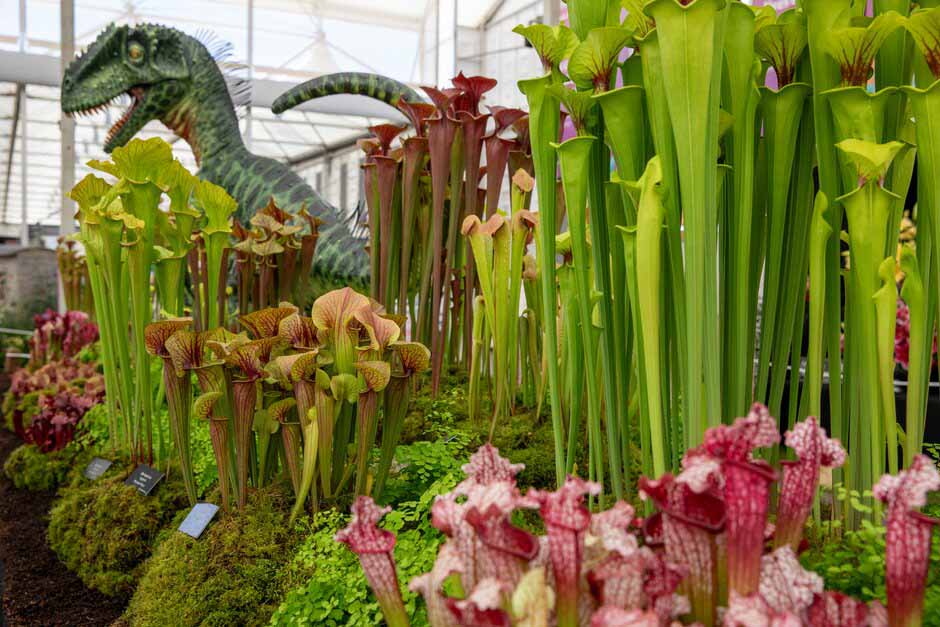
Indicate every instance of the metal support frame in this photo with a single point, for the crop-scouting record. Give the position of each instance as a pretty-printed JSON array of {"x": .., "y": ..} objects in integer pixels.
[
  {"x": 21, "y": 93},
  {"x": 14, "y": 123},
  {"x": 551, "y": 12},
  {"x": 250, "y": 62},
  {"x": 67, "y": 130}
]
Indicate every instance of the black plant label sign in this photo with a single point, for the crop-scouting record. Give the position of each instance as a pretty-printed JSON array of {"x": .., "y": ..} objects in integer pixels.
[
  {"x": 96, "y": 467},
  {"x": 144, "y": 478},
  {"x": 198, "y": 519}
]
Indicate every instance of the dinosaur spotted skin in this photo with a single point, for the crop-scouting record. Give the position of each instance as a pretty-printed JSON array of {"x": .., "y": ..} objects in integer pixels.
[{"x": 174, "y": 78}]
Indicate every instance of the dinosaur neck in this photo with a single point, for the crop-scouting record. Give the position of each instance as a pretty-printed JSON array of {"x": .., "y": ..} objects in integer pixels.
[{"x": 205, "y": 118}]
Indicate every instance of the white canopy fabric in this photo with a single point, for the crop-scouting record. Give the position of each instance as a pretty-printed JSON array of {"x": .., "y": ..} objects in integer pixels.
[{"x": 290, "y": 41}]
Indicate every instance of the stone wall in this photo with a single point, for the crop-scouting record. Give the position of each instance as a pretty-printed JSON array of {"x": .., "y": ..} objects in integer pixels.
[{"x": 27, "y": 275}]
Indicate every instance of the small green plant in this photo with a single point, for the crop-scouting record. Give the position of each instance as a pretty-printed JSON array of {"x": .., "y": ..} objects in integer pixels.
[
  {"x": 853, "y": 562},
  {"x": 337, "y": 593}
]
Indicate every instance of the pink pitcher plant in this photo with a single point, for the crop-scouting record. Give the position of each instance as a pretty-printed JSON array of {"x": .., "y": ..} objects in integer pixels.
[{"x": 708, "y": 555}]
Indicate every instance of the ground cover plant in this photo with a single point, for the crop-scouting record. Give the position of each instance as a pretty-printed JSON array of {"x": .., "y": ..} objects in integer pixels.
[
  {"x": 236, "y": 573},
  {"x": 104, "y": 531}
]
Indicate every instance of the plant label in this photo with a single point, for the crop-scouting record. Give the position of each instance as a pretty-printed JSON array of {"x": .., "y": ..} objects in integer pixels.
[
  {"x": 198, "y": 519},
  {"x": 96, "y": 467},
  {"x": 144, "y": 478}
]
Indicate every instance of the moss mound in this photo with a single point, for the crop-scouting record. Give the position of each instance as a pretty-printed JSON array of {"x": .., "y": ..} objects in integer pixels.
[
  {"x": 35, "y": 471},
  {"x": 103, "y": 531},
  {"x": 235, "y": 574},
  {"x": 523, "y": 437}
]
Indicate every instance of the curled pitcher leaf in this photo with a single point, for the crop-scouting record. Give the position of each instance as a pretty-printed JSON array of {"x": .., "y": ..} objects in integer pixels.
[
  {"x": 415, "y": 357},
  {"x": 282, "y": 409},
  {"x": 374, "y": 548},
  {"x": 333, "y": 314},
  {"x": 908, "y": 539},
  {"x": 250, "y": 358},
  {"x": 204, "y": 405},
  {"x": 737, "y": 442},
  {"x": 376, "y": 374},
  {"x": 485, "y": 605},
  {"x": 380, "y": 332},
  {"x": 636, "y": 19},
  {"x": 753, "y": 611},
  {"x": 592, "y": 62},
  {"x": 289, "y": 369},
  {"x": 580, "y": 105},
  {"x": 814, "y": 450},
  {"x": 386, "y": 134},
  {"x": 487, "y": 466},
  {"x": 690, "y": 525},
  {"x": 871, "y": 160},
  {"x": 782, "y": 42},
  {"x": 187, "y": 350},
  {"x": 431, "y": 586},
  {"x": 566, "y": 520},
  {"x": 746, "y": 491},
  {"x": 472, "y": 88},
  {"x": 266, "y": 322},
  {"x": 298, "y": 331},
  {"x": 785, "y": 585},
  {"x": 553, "y": 44},
  {"x": 418, "y": 114},
  {"x": 854, "y": 47},
  {"x": 157, "y": 333},
  {"x": 217, "y": 205},
  {"x": 139, "y": 161},
  {"x": 924, "y": 27}
]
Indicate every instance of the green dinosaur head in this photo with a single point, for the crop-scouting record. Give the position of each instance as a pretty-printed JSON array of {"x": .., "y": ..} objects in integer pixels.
[{"x": 147, "y": 62}]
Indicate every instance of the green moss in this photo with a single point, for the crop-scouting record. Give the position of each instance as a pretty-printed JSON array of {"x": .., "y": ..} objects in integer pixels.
[
  {"x": 522, "y": 437},
  {"x": 235, "y": 574},
  {"x": 33, "y": 470},
  {"x": 104, "y": 530}
]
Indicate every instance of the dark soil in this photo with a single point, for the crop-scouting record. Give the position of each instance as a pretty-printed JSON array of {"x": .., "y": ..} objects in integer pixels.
[{"x": 37, "y": 589}]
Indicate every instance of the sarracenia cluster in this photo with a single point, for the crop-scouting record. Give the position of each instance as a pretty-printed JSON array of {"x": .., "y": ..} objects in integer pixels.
[
  {"x": 421, "y": 195},
  {"x": 743, "y": 143},
  {"x": 127, "y": 237},
  {"x": 303, "y": 394},
  {"x": 699, "y": 559}
]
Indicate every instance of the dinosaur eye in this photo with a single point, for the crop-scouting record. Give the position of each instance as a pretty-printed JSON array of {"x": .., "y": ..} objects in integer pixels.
[{"x": 135, "y": 51}]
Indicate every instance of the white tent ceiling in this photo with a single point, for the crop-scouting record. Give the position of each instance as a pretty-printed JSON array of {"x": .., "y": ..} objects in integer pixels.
[{"x": 291, "y": 40}]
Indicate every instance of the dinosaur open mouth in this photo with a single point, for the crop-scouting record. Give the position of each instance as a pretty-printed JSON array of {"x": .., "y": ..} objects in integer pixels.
[{"x": 135, "y": 94}]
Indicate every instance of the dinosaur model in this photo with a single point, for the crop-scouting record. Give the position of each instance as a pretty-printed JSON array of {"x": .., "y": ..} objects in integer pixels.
[{"x": 175, "y": 78}]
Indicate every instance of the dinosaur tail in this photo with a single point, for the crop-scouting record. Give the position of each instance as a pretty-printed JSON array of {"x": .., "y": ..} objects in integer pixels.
[{"x": 375, "y": 86}]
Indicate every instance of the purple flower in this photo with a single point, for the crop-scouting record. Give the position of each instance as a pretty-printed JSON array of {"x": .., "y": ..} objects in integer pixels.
[
  {"x": 746, "y": 491},
  {"x": 374, "y": 547},
  {"x": 566, "y": 520},
  {"x": 484, "y": 607},
  {"x": 801, "y": 478},
  {"x": 908, "y": 538},
  {"x": 691, "y": 525}
]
